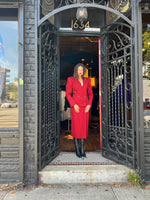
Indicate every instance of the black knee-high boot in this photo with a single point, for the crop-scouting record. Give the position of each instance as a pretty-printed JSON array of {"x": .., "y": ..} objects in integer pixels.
[
  {"x": 76, "y": 142},
  {"x": 82, "y": 148}
]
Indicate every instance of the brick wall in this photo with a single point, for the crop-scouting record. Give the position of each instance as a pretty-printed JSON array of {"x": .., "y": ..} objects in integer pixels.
[
  {"x": 9, "y": 140},
  {"x": 147, "y": 153},
  {"x": 29, "y": 91},
  {"x": 9, "y": 156}
]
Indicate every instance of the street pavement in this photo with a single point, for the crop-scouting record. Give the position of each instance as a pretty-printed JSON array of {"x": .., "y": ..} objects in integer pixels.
[
  {"x": 78, "y": 192},
  {"x": 8, "y": 117}
]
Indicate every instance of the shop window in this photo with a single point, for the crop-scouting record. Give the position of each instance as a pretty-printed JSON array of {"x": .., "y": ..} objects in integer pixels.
[
  {"x": 146, "y": 72},
  {"x": 8, "y": 74}
]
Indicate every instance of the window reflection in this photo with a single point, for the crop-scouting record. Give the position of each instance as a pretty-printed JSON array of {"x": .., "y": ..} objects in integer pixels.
[
  {"x": 146, "y": 74},
  {"x": 8, "y": 74}
]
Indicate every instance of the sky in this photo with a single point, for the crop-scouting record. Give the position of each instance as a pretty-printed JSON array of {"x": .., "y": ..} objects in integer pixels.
[{"x": 9, "y": 56}]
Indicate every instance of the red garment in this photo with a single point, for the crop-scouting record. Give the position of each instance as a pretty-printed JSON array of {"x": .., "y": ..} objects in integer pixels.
[{"x": 82, "y": 96}]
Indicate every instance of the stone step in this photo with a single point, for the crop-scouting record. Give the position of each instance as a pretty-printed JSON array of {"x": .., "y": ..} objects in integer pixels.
[
  {"x": 62, "y": 174},
  {"x": 67, "y": 168}
]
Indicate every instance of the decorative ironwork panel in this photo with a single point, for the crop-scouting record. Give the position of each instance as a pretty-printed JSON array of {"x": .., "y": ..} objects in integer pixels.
[
  {"x": 48, "y": 98},
  {"x": 118, "y": 94},
  {"x": 50, "y": 5}
]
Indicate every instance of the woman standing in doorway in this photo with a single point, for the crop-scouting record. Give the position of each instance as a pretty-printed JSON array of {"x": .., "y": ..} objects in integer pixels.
[{"x": 79, "y": 94}]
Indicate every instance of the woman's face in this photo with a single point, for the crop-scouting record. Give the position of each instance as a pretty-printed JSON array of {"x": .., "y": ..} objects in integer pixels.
[{"x": 80, "y": 71}]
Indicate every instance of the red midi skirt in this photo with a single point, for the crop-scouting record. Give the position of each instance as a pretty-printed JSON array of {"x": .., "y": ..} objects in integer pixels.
[{"x": 79, "y": 123}]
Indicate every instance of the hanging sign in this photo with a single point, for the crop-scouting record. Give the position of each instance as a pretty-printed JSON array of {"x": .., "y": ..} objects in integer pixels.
[{"x": 75, "y": 24}]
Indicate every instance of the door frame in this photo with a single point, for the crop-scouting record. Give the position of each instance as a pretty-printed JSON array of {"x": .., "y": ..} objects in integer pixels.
[
  {"x": 82, "y": 34},
  {"x": 136, "y": 17}
]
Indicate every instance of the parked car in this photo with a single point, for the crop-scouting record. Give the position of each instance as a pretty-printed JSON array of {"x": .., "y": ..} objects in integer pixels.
[
  {"x": 9, "y": 104},
  {"x": 146, "y": 105}
]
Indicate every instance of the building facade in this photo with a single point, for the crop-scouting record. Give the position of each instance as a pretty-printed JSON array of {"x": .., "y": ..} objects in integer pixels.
[{"x": 44, "y": 28}]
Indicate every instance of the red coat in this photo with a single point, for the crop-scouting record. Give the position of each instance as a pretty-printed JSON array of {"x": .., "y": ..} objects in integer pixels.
[{"x": 82, "y": 96}]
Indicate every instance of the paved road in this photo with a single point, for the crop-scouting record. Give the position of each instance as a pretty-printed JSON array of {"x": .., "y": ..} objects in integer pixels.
[
  {"x": 8, "y": 117},
  {"x": 78, "y": 192}
]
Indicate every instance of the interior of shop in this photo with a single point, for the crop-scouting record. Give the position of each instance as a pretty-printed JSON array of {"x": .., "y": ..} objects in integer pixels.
[{"x": 74, "y": 50}]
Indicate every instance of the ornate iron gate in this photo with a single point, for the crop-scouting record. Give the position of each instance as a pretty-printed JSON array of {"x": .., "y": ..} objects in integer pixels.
[
  {"x": 48, "y": 94},
  {"x": 120, "y": 89},
  {"x": 118, "y": 94}
]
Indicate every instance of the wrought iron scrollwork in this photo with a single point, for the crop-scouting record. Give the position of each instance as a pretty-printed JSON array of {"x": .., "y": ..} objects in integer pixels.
[
  {"x": 118, "y": 127},
  {"x": 48, "y": 129},
  {"x": 119, "y": 5}
]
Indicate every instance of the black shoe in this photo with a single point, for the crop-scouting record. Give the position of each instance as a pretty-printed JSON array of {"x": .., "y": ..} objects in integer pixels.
[
  {"x": 76, "y": 142},
  {"x": 82, "y": 148}
]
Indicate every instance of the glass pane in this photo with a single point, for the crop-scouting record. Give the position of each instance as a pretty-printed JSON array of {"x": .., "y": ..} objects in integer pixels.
[
  {"x": 8, "y": 74},
  {"x": 146, "y": 72},
  {"x": 47, "y": 6},
  {"x": 67, "y": 19}
]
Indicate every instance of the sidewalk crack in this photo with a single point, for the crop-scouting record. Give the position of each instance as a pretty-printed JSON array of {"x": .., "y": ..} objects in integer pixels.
[{"x": 114, "y": 193}]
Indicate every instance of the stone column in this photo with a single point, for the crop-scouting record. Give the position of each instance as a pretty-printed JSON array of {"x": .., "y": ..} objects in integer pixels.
[{"x": 30, "y": 79}]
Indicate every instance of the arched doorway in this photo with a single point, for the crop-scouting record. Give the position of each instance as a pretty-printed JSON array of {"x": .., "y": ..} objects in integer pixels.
[{"x": 119, "y": 90}]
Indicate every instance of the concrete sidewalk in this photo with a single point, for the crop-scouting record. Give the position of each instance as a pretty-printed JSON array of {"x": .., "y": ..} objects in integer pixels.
[{"x": 78, "y": 192}]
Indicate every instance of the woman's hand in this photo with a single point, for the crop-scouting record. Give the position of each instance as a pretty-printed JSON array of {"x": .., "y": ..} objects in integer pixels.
[
  {"x": 76, "y": 108},
  {"x": 87, "y": 108}
]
